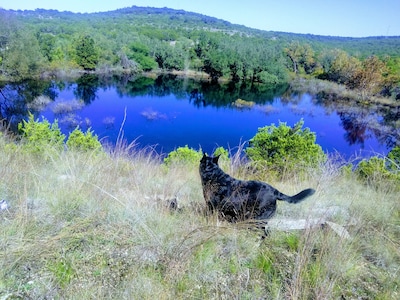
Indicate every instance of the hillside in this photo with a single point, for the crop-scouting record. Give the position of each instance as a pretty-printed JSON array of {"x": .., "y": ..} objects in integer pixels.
[
  {"x": 171, "y": 19},
  {"x": 138, "y": 39}
]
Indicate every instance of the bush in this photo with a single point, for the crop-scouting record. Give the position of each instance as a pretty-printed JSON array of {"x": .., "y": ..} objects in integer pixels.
[
  {"x": 375, "y": 170},
  {"x": 284, "y": 148},
  {"x": 394, "y": 160},
  {"x": 370, "y": 170},
  {"x": 189, "y": 156},
  {"x": 41, "y": 136},
  {"x": 183, "y": 156},
  {"x": 222, "y": 152},
  {"x": 80, "y": 141}
]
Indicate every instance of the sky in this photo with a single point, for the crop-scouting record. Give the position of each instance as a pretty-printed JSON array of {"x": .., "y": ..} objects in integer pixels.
[{"x": 350, "y": 18}]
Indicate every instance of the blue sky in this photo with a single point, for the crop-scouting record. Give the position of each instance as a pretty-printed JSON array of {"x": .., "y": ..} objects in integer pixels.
[{"x": 354, "y": 18}]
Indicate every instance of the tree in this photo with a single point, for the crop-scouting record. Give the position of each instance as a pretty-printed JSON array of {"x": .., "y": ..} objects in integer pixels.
[
  {"x": 214, "y": 64},
  {"x": 20, "y": 51},
  {"x": 294, "y": 52},
  {"x": 23, "y": 58},
  {"x": 394, "y": 160},
  {"x": 139, "y": 53},
  {"x": 326, "y": 59},
  {"x": 302, "y": 57},
  {"x": 369, "y": 79},
  {"x": 47, "y": 43},
  {"x": 236, "y": 69},
  {"x": 87, "y": 55},
  {"x": 170, "y": 56},
  {"x": 343, "y": 68},
  {"x": 307, "y": 60}
]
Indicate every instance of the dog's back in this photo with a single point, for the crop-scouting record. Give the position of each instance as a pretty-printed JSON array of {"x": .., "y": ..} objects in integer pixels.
[{"x": 238, "y": 199}]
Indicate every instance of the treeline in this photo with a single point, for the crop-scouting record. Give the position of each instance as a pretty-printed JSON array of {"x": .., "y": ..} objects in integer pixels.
[{"x": 134, "y": 40}]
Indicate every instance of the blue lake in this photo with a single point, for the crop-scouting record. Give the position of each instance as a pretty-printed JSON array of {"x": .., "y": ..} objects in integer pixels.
[{"x": 176, "y": 113}]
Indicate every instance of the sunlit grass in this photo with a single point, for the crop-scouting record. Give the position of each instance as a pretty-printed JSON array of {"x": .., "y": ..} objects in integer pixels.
[{"x": 89, "y": 226}]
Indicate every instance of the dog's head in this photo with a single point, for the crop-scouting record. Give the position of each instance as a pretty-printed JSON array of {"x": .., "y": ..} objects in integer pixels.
[{"x": 208, "y": 165}]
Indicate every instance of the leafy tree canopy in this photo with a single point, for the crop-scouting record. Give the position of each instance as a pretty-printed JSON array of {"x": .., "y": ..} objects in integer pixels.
[{"x": 86, "y": 52}]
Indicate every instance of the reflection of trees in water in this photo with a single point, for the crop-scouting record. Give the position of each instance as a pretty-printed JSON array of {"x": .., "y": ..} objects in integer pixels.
[
  {"x": 388, "y": 136},
  {"x": 360, "y": 126},
  {"x": 222, "y": 95},
  {"x": 291, "y": 97},
  {"x": 391, "y": 121},
  {"x": 361, "y": 122},
  {"x": 18, "y": 99},
  {"x": 133, "y": 86},
  {"x": 197, "y": 98},
  {"x": 87, "y": 86},
  {"x": 390, "y": 126},
  {"x": 200, "y": 93},
  {"x": 356, "y": 129}
]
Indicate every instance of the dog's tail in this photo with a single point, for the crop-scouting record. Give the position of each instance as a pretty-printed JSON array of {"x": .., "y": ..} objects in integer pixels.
[{"x": 298, "y": 197}]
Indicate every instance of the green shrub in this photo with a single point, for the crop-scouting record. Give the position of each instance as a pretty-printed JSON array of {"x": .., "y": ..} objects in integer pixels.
[
  {"x": 189, "y": 156},
  {"x": 347, "y": 170},
  {"x": 284, "y": 148},
  {"x": 374, "y": 171},
  {"x": 183, "y": 156},
  {"x": 41, "y": 136},
  {"x": 368, "y": 169},
  {"x": 224, "y": 160},
  {"x": 394, "y": 160},
  {"x": 80, "y": 141},
  {"x": 222, "y": 152}
]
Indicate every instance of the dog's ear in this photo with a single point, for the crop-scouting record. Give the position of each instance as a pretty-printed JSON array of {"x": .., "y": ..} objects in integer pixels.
[
  {"x": 204, "y": 157},
  {"x": 215, "y": 159}
]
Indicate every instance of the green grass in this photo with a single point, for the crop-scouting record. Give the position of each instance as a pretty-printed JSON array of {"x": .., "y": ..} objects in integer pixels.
[{"x": 87, "y": 226}]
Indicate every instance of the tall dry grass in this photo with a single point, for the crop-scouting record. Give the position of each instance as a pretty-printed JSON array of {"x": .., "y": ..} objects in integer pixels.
[{"x": 89, "y": 226}]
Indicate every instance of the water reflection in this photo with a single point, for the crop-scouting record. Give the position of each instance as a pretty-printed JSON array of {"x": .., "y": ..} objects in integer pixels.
[
  {"x": 86, "y": 88},
  {"x": 355, "y": 127},
  {"x": 16, "y": 100},
  {"x": 359, "y": 124},
  {"x": 364, "y": 122}
]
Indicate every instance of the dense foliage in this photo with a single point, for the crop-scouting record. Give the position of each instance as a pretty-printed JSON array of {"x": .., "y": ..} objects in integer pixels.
[
  {"x": 86, "y": 53},
  {"x": 83, "y": 141},
  {"x": 146, "y": 39},
  {"x": 183, "y": 156},
  {"x": 285, "y": 149},
  {"x": 376, "y": 170},
  {"x": 39, "y": 136},
  {"x": 191, "y": 157}
]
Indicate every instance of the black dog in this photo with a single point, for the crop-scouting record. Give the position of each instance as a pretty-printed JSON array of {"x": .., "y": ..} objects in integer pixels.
[{"x": 238, "y": 200}]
